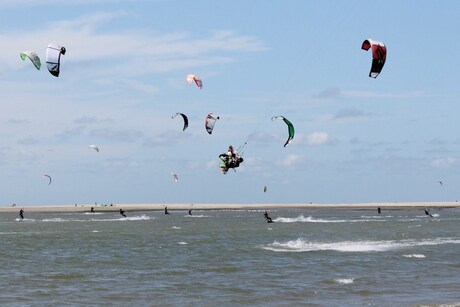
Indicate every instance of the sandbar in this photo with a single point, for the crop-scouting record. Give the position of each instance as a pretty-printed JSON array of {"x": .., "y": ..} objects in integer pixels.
[{"x": 205, "y": 206}]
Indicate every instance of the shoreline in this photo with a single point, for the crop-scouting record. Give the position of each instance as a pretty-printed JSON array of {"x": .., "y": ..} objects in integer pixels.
[{"x": 158, "y": 207}]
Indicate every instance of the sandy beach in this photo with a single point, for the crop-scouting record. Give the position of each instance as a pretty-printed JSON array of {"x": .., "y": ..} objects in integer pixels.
[{"x": 153, "y": 207}]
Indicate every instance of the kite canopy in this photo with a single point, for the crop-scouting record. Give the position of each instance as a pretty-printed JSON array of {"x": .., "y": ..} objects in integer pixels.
[
  {"x": 290, "y": 128},
  {"x": 49, "y": 178},
  {"x": 185, "y": 119},
  {"x": 33, "y": 58},
  {"x": 53, "y": 58},
  {"x": 194, "y": 78},
  {"x": 94, "y": 147},
  {"x": 379, "y": 56},
  {"x": 210, "y": 121},
  {"x": 175, "y": 178}
]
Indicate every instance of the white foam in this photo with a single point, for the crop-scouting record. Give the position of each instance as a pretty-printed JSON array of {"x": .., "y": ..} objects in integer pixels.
[
  {"x": 129, "y": 218},
  {"x": 176, "y": 227},
  {"x": 344, "y": 281},
  {"x": 302, "y": 219},
  {"x": 183, "y": 243},
  {"x": 414, "y": 256},
  {"x": 309, "y": 219},
  {"x": 94, "y": 231},
  {"x": 56, "y": 219},
  {"x": 201, "y": 215},
  {"x": 136, "y": 218},
  {"x": 300, "y": 245},
  {"x": 24, "y": 220}
]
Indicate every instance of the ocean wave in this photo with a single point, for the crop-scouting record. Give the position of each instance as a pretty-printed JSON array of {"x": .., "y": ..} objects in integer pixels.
[
  {"x": 24, "y": 220},
  {"x": 300, "y": 245},
  {"x": 414, "y": 256},
  {"x": 310, "y": 219},
  {"x": 56, "y": 219},
  {"x": 344, "y": 281},
  {"x": 201, "y": 215},
  {"x": 176, "y": 227}
]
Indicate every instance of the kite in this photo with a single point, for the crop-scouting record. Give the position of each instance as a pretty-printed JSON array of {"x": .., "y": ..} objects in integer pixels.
[
  {"x": 194, "y": 78},
  {"x": 185, "y": 119},
  {"x": 94, "y": 147},
  {"x": 53, "y": 58},
  {"x": 379, "y": 56},
  {"x": 33, "y": 58},
  {"x": 175, "y": 178},
  {"x": 210, "y": 121},
  {"x": 290, "y": 128},
  {"x": 49, "y": 178}
]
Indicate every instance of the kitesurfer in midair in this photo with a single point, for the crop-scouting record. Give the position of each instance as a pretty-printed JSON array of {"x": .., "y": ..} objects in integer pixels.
[
  {"x": 21, "y": 214},
  {"x": 428, "y": 213},
  {"x": 267, "y": 218},
  {"x": 122, "y": 212}
]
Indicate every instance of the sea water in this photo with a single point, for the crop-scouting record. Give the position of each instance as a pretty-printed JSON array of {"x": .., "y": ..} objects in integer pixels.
[{"x": 322, "y": 257}]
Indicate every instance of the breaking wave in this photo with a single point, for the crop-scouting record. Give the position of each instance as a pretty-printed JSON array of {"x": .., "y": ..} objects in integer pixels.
[
  {"x": 300, "y": 245},
  {"x": 309, "y": 219}
]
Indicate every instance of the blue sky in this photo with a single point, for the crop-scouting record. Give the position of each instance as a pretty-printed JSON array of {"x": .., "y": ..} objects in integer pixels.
[{"x": 357, "y": 139}]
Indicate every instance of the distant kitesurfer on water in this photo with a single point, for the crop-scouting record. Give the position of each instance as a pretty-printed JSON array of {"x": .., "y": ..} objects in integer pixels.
[
  {"x": 92, "y": 209},
  {"x": 379, "y": 210},
  {"x": 190, "y": 212},
  {"x": 21, "y": 214},
  {"x": 122, "y": 212},
  {"x": 166, "y": 210},
  {"x": 267, "y": 218},
  {"x": 428, "y": 213}
]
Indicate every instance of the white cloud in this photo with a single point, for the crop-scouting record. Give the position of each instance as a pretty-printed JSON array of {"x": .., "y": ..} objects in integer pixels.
[
  {"x": 127, "y": 52},
  {"x": 317, "y": 138},
  {"x": 292, "y": 160},
  {"x": 443, "y": 162}
]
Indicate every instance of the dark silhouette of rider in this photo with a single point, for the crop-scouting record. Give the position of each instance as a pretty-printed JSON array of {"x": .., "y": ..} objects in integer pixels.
[
  {"x": 92, "y": 209},
  {"x": 428, "y": 213},
  {"x": 166, "y": 210},
  {"x": 379, "y": 210},
  {"x": 122, "y": 212},
  {"x": 21, "y": 214},
  {"x": 267, "y": 218}
]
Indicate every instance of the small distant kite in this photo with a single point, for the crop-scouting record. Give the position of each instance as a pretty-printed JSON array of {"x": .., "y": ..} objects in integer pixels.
[
  {"x": 175, "y": 177},
  {"x": 49, "y": 178},
  {"x": 33, "y": 57},
  {"x": 184, "y": 117},
  {"x": 194, "y": 78},
  {"x": 379, "y": 56},
  {"x": 210, "y": 121},
  {"x": 291, "y": 130},
  {"x": 94, "y": 147},
  {"x": 265, "y": 189},
  {"x": 440, "y": 182}
]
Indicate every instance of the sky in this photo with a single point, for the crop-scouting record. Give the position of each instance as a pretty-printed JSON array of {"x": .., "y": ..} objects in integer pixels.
[{"x": 358, "y": 139}]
